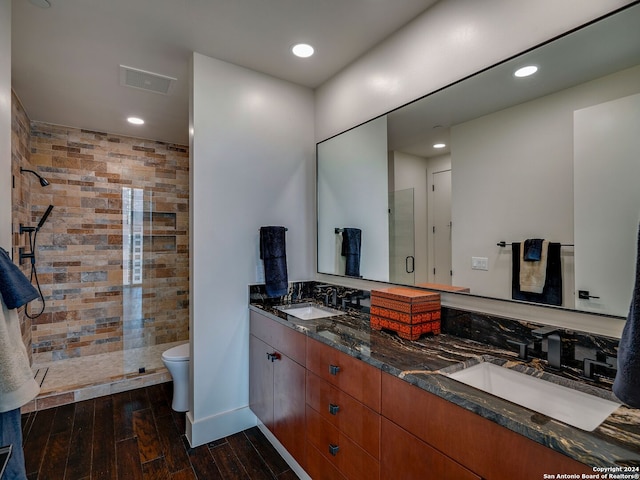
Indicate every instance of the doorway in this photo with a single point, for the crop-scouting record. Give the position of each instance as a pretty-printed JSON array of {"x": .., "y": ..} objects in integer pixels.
[{"x": 441, "y": 227}]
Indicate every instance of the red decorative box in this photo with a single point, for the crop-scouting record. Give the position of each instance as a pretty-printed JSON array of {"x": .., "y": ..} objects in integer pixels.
[
  {"x": 405, "y": 330},
  {"x": 407, "y": 311}
]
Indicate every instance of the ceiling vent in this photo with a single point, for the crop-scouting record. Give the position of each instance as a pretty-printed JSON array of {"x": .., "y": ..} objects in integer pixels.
[{"x": 152, "y": 82}]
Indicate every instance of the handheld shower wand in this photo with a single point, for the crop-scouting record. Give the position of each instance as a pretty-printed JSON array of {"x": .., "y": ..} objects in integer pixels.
[
  {"x": 44, "y": 217},
  {"x": 33, "y": 235}
]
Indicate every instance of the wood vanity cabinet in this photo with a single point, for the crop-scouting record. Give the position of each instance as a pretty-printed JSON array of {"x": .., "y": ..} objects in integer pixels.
[
  {"x": 475, "y": 443},
  {"x": 343, "y": 419},
  {"x": 277, "y": 381}
]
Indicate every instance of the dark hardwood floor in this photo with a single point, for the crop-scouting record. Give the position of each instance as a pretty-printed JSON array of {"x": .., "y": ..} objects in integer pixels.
[{"x": 135, "y": 435}]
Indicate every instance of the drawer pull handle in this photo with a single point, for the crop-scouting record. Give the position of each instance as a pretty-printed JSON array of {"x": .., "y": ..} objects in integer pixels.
[
  {"x": 274, "y": 356},
  {"x": 333, "y": 449},
  {"x": 334, "y": 369},
  {"x": 333, "y": 409}
]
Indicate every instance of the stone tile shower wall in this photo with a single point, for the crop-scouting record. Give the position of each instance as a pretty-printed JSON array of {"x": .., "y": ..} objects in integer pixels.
[{"x": 113, "y": 257}]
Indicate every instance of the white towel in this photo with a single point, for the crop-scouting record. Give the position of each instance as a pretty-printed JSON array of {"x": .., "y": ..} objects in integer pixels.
[
  {"x": 17, "y": 386},
  {"x": 533, "y": 275}
]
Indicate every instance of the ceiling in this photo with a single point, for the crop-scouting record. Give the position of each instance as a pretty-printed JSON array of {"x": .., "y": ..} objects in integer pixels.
[
  {"x": 607, "y": 46},
  {"x": 66, "y": 58}
]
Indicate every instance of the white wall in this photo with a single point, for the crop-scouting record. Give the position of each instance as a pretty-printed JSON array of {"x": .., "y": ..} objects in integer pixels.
[
  {"x": 517, "y": 186},
  {"x": 5, "y": 124},
  {"x": 252, "y": 164},
  {"x": 449, "y": 41},
  {"x": 606, "y": 148},
  {"x": 352, "y": 192}
]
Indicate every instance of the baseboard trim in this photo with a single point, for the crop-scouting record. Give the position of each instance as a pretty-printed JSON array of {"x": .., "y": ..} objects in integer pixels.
[
  {"x": 218, "y": 426},
  {"x": 295, "y": 466}
]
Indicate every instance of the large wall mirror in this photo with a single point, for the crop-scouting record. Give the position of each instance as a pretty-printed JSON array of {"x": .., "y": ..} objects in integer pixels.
[{"x": 434, "y": 187}]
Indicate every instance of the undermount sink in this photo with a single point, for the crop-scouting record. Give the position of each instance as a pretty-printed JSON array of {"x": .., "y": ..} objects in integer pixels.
[
  {"x": 579, "y": 409},
  {"x": 309, "y": 311}
]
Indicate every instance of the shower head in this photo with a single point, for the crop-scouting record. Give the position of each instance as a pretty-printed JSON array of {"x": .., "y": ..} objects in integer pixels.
[
  {"x": 44, "y": 217},
  {"x": 43, "y": 181}
]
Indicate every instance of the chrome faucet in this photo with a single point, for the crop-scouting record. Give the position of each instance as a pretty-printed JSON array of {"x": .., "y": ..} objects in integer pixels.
[
  {"x": 554, "y": 345},
  {"x": 326, "y": 290},
  {"x": 601, "y": 360},
  {"x": 329, "y": 292},
  {"x": 334, "y": 297},
  {"x": 523, "y": 348}
]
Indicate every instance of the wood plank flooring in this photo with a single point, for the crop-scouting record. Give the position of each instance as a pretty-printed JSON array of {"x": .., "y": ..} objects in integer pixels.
[{"x": 135, "y": 435}]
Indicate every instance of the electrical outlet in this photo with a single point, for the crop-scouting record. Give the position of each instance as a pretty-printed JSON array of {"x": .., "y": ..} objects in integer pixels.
[{"x": 479, "y": 263}]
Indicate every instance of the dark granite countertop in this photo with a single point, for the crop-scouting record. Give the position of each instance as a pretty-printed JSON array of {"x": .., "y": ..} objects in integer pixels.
[{"x": 616, "y": 442}]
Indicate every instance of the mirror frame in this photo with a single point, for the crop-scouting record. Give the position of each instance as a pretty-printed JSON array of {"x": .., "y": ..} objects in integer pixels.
[{"x": 430, "y": 94}]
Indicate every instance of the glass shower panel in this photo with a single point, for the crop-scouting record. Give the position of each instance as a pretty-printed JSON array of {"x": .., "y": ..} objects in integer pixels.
[
  {"x": 150, "y": 289},
  {"x": 133, "y": 276},
  {"x": 155, "y": 267},
  {"x": 401, "y": 237}
]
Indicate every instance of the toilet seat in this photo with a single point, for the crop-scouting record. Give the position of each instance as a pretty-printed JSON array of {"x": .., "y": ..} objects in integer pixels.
[{"x": 179, "y": 353}]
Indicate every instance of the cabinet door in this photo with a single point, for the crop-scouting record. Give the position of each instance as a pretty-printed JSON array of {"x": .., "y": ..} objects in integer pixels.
[
  {"x": 349, "y": 374},
  {"x": 492, "y": 451},
  {"x": 261, "y": 381},
  {"x": 404, "y": 456},
  {"x": 289, "y": 406}
]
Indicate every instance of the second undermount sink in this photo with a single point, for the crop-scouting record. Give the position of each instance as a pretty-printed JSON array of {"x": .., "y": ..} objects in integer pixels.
[
  {"x": 308, "y": 311},
  {"x": 577, "y": 408}
]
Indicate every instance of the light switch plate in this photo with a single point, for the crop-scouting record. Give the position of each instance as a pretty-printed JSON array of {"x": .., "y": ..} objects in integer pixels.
[{"x": 479, "y": 263}]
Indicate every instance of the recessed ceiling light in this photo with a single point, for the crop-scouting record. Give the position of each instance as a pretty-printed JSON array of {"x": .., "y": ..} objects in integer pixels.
[
  {"x": 302, "y": 50},
  {"x": 526, "y": 71},
  {"x": 135, "y": 120},
  {"x": 439, "y": 145}
]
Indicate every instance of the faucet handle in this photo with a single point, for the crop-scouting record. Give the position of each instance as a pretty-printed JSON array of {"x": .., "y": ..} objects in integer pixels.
[
  {"x": 589, "y": 363},
  {"x": 522, "y": 348}
]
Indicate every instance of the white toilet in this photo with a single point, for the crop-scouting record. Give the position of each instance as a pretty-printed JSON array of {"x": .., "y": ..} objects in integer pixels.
[{"x": 176, "y": 359}]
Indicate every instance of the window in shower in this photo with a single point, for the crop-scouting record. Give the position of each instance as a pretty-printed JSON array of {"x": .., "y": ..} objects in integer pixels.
[{"x": 132, "y": 235}]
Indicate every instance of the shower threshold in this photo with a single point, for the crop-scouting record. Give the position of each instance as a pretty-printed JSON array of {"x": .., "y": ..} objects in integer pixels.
[{"x": 76, "y": 379}]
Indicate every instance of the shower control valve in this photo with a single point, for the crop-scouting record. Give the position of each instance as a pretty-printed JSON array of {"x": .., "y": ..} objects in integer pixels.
[{"x": 24, "y": 255}]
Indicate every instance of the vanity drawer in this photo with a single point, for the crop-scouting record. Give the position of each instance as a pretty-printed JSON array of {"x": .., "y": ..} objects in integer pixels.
[
  {"x": 405, "y": 456},
  {"x": 340, "y": 451},
  {"x": 318, "y": 467},
  {"x": 461, "y": 435},
  {"x": 357, "y": 421},
  {"x": 349, "y": 374},
  {"x": 283, "y": 339}
]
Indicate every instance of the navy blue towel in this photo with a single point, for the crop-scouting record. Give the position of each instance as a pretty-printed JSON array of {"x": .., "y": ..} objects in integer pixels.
[
  {"x": 533, "y": 250},
  {"x": 627, "y": 383},
  {"x": 552, "y": 292},
  {"x": 15, "y": 288},
  {"x": 351, "y": 242},
  {"x": 273, "y": 252}
]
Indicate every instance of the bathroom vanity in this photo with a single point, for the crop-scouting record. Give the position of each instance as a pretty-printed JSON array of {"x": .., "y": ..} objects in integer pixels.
[{"x": 350, "y": 402}]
